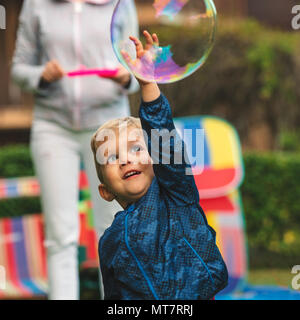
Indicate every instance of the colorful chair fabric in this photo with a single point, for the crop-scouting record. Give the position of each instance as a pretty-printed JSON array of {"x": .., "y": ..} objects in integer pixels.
[
  {"x": 22, "y": 253},
  {"x": 19, "y": 187}
]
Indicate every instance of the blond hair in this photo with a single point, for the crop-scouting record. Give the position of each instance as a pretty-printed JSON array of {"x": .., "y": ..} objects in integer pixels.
[{"x": 118, "y": 123}]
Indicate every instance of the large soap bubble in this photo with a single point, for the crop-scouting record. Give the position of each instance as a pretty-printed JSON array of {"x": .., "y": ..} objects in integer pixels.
[{"x": 186, "y": 31}]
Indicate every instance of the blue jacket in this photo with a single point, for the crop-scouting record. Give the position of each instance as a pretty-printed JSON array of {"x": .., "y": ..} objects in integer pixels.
[{"x": 161, "y": 247}]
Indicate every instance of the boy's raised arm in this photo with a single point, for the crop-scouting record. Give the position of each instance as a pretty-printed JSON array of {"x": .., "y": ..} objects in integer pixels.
[
  {"x": 168, "y": 151},
  {"x": 165, "y": 146}
]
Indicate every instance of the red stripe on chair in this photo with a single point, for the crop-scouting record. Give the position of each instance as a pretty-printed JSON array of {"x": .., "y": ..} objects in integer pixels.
[
  {"x": 42, "y": 249},
  {"x": 213, "y": 179},
  {"x": 12, "y": 274},
  {"x": 83, "y": 181},
  {"x": 217, "y": 204},
  {"x": 91, "y": 245}
]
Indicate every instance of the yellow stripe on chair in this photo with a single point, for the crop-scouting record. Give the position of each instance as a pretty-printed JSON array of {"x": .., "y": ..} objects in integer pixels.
[{"x": 221, "y": 139}]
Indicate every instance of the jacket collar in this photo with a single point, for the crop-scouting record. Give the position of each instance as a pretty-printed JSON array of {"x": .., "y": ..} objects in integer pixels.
[{"x": 146, "y": 197}]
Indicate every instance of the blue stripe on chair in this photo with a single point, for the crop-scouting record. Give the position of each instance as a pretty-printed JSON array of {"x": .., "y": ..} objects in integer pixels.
[
  {"x": 12, "y": 189},
  {"x": 193, "y": 124},
  {"x": 21, "y": 258}
]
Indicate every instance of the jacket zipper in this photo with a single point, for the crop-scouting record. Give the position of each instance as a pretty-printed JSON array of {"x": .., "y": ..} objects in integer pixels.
[
  {"x": 77, "y": 45},
  {"x": 201, "y": 260},
  {"x": 137, "y": 261}
]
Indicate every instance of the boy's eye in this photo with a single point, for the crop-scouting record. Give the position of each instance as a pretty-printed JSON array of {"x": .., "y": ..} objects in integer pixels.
[
  {"x": 136, "y": 148},
  {"x": 112, "y": 159}
]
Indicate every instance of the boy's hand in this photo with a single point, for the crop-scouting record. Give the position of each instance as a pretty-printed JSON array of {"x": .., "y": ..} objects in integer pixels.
[
  {"x": 144, "y": 64},
  {"x": 150, "y": 42}
]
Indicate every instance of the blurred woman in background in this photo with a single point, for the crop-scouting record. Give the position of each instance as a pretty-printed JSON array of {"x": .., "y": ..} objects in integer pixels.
[{"x": 56, "y": 36}]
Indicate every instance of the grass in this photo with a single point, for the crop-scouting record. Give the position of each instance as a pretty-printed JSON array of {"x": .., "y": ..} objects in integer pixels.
[{"x": 279, "y": 277}]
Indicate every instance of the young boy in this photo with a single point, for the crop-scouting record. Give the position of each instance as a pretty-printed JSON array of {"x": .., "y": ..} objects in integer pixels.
[{"x": 160, "y": 246}]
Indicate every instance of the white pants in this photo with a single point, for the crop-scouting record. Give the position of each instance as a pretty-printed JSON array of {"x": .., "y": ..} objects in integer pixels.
[{"x": 57, "y": 153}]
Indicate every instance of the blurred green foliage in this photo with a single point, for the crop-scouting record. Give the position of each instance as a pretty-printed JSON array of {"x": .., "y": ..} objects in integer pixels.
[
  {"x": 15, "y": 161},
  {"x": 271, "y": 194},
  {"x": 16, "y": 207},
  {"x": 289, "y": 140}
]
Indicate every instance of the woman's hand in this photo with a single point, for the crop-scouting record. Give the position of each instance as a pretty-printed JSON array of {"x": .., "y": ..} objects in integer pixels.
[
  {"x": 52, "y": 72},
  {"x": 123, "y": 77}
]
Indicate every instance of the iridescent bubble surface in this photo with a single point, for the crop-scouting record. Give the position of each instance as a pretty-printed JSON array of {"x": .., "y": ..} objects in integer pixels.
[{"x": 186, "y": 31}]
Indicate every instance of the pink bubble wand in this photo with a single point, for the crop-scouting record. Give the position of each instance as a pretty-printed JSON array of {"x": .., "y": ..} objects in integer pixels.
[{"x": 103, "y": 73}]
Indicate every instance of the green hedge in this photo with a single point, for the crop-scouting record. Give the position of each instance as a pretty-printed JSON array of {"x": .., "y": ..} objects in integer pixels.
[
  {"x": 16, "y": 207},
  {"x": 15, "y": 161},
  {"x": 270, "y": 194}
]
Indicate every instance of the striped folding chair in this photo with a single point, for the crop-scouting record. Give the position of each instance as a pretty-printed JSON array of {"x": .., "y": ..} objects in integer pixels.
[
  {"x": 218, "y": 176},
  {"x": 22, "y": 251}
]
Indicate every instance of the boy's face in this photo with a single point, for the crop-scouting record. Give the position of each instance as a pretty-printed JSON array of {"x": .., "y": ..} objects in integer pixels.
[{"x": 127, "y": 167}]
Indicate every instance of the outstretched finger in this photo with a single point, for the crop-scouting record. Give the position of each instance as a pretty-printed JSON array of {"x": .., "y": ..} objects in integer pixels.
[
  {"x": 149, "y": 40},
  {"x": 155, "y": 39},
  {"x": 138, "y": 46}
]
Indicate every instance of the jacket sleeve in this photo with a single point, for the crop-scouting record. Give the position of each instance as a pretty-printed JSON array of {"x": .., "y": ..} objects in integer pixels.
[
  {"x": 170, "y": 162},
  {"x": 26, "y": 69},
  {"x": 130, "y": 26}
]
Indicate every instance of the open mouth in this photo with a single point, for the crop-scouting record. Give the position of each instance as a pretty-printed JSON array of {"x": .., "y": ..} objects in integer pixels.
[{"x": 131, "y": 174}]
